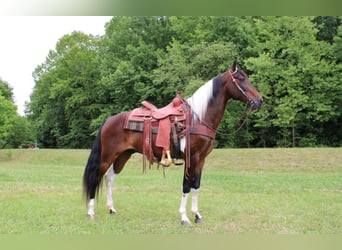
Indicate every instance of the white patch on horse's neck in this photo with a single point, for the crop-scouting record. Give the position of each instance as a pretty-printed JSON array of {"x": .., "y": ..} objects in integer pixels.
[{"x": 200, "y": 99}]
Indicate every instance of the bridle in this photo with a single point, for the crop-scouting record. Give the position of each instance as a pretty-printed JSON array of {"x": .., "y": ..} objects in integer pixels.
[
  {"x": 249, "y": 100},
  {"x": 244, "y": 116},
  {"x": 247, "y": 111},
  {"x": 235, "y": 82}
]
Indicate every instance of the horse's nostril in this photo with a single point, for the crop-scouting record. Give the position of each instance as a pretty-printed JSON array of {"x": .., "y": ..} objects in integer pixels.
[{"x": 260, "y": 102}]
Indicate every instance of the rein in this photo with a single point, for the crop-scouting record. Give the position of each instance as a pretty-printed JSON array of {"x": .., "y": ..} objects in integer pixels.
[{"x": 243, "y": 118}]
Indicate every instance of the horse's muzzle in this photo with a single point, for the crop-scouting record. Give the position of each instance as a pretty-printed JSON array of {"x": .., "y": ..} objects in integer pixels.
[{"x": 255, "y": 103}]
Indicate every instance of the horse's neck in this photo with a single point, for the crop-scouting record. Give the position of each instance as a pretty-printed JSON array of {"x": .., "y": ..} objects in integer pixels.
[{"x": 217, "y": 105}]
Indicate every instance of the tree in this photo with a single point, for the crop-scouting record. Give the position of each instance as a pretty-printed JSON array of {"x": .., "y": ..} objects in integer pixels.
[
  {"x": 327, "y": 27},
  {"x": 295, "y": 62},
  {"x": 338, "y": 45},
  {"x": 62, "y": 101},
  {"x": 7, "y": 117},
  {"x": 292, "y": 70},
  {"x": 8, "y": 112},
  {"x": 128, "y": 55},
  {"x": 22, "y": 134}
]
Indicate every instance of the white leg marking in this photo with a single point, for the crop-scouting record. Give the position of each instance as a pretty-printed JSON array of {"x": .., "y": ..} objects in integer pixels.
[
  {"x": 182, "y": 209},
  {"x": 182, "y": 144},
  {"x": 194, "y": 204},
  {"x": 110, "y": 177},
  {"x": 91, "y": 212}
]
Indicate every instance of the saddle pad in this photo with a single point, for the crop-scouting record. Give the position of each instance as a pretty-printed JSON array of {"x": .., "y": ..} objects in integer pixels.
[{"x": 138, "y": 125}]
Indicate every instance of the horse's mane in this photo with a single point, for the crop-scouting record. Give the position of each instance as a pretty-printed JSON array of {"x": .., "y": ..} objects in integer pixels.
[{"x": 200, "y": 100}]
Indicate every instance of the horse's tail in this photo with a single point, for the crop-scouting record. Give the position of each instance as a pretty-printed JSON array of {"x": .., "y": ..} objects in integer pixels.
[{"x": 91, "y": 178}]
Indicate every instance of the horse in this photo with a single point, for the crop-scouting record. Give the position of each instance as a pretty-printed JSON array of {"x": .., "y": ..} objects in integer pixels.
[{"x": 114, "y": 144}]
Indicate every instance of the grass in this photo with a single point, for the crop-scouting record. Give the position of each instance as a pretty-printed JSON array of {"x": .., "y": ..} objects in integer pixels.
[{"x": 282, "y": 191}]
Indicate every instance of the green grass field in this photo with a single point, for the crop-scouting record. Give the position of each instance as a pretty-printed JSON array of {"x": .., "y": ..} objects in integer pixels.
[{"x": 281, "y": 191}]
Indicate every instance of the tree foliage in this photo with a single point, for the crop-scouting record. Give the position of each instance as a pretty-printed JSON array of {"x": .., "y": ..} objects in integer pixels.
[
  {"x": 293, "y": 61},
  {"x": 297, "y": 76},
  {"x": 15, "y": 131},
  {"x": 7, "y": 112},
  {"x": 64, "y": 99}
]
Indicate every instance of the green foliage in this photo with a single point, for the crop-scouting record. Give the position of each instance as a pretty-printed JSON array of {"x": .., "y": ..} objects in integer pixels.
[
  {"x": 8, "y": 112},
  {"x": 6, "y": 91},
  {"x": 15, "y": 131},
  {"x": 131, "y": 49},
  {"x": 7, "y": 117},
  {"x": 293, "y": 61},
  {"x": 186, "y": 68},
  {"x": 61, "y": 105},
  {"x": 338, "y": 45},
  {"x": 22, "y": 134},
  {"x": 294, "y": 72},
  {"x": 327, "y": 26}
]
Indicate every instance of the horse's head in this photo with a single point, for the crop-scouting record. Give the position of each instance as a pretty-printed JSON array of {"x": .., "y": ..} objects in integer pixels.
[{"x": 241, "y": 89}]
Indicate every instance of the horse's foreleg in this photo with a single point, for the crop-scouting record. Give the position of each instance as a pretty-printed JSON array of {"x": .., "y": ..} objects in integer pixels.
[
  {"x": 182, "y": 210},
  {"x": 110, "y": 177},
  {"x": 190, "y": 184},
  {"x": 194, "y": 205}
]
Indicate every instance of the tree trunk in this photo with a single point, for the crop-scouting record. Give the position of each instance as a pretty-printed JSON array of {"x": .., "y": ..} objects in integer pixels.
[{"x": 293, "y": 136}]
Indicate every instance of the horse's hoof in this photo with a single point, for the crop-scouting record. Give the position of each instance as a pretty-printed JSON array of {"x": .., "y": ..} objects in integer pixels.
[
  {"x": 185, "y": 223},
  {"x": 198, "y": 219},
  {"x": 178, "y": 162},
  {"x": 112, "y": 212},
  {"x": 91, "y": 216}
]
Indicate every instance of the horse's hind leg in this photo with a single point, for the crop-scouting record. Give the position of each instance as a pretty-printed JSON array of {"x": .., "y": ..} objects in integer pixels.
[
  {"x": 111, "y": 175},
  {"x": 91, "y": 203}
]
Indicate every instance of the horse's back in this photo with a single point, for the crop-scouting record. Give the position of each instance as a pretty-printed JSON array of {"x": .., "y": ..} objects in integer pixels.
[{"x": 115, "y": 121}]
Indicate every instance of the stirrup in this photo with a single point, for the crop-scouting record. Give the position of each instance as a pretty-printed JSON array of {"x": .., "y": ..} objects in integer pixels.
[
  {"x": 178, "y": 162},
  {"x": 166, "y": 162}
]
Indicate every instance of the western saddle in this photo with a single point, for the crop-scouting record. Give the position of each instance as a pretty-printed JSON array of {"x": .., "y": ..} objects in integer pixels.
[{"x": 170, "y": 123}]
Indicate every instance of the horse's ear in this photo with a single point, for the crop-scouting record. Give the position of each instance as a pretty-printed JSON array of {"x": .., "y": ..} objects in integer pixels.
[{"x": 234, "y": 67}]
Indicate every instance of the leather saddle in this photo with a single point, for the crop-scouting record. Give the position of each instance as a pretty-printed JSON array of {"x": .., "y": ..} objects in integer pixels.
[
  {"x": 161, "y": 121},
  {"x": 148, "y": 119},
  {"x": 174, "y": 110}
]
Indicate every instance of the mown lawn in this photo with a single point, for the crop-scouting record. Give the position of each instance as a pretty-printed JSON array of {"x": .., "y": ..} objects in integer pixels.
[{"x": 281, "y": 191}]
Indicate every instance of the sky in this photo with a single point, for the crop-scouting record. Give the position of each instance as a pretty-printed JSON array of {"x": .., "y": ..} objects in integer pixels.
[{"x": 25, "y": 42}]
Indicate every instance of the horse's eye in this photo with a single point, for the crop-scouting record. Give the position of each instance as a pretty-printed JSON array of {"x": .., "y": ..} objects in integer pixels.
[{"x": 241, "y": 77}]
